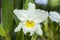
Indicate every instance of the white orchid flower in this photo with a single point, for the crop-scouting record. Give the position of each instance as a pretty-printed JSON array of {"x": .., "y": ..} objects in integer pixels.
[
  {"x": 43, "y": 2},
  {"x": 54, "y": 16},
  {"x": 30, "y": 19}
]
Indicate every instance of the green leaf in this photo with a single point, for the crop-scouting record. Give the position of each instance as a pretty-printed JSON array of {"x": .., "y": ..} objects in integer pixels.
[
  {"x": 2, "y": 31},
  {"x": 20, "y": 35},
  {"x": 7, "y": 14}
]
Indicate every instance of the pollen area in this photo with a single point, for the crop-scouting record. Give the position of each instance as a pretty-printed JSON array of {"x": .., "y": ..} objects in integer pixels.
[{"x": 29, "y": 24}]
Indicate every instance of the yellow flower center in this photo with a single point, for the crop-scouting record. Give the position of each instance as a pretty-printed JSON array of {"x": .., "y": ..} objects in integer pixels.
[{"x": 29, "y": 24}]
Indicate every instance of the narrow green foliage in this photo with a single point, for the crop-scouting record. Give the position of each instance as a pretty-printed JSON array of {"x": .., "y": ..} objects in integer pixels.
[
  {"x": 7, "y": 14},
  {"x": 2, "y": 31}
]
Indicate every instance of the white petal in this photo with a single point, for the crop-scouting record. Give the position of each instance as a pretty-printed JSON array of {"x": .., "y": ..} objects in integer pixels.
[
  {"x": 39, "y": 30},
  {"x": 39, "y": 15},
  {"x": 54, "y": 16},
  {"x": 26, "y": 30},
  {"x": 31, "y": 6},
  {"x": 21, "y": 14},
  {"x": 31, "y": 33},
  {"x": 44, "y": 2},
  {"x": 18, "y": 27}
]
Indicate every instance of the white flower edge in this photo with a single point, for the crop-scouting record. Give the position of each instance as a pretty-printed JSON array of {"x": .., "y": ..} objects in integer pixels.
[
  {"x": 54, "y": 16},
  {"x": 44, "y": 2},
  {"x": 37, "y": 15}
]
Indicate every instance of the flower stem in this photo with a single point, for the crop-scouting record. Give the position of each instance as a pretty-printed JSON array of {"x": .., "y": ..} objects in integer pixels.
[
  {"x": 46, "y": 25},
  {"x": 51, "y": 33},
  {"x": 46, "y": 29},
  {"x": 20, "y": 35},
  {"x": 34, "y": 37}
]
